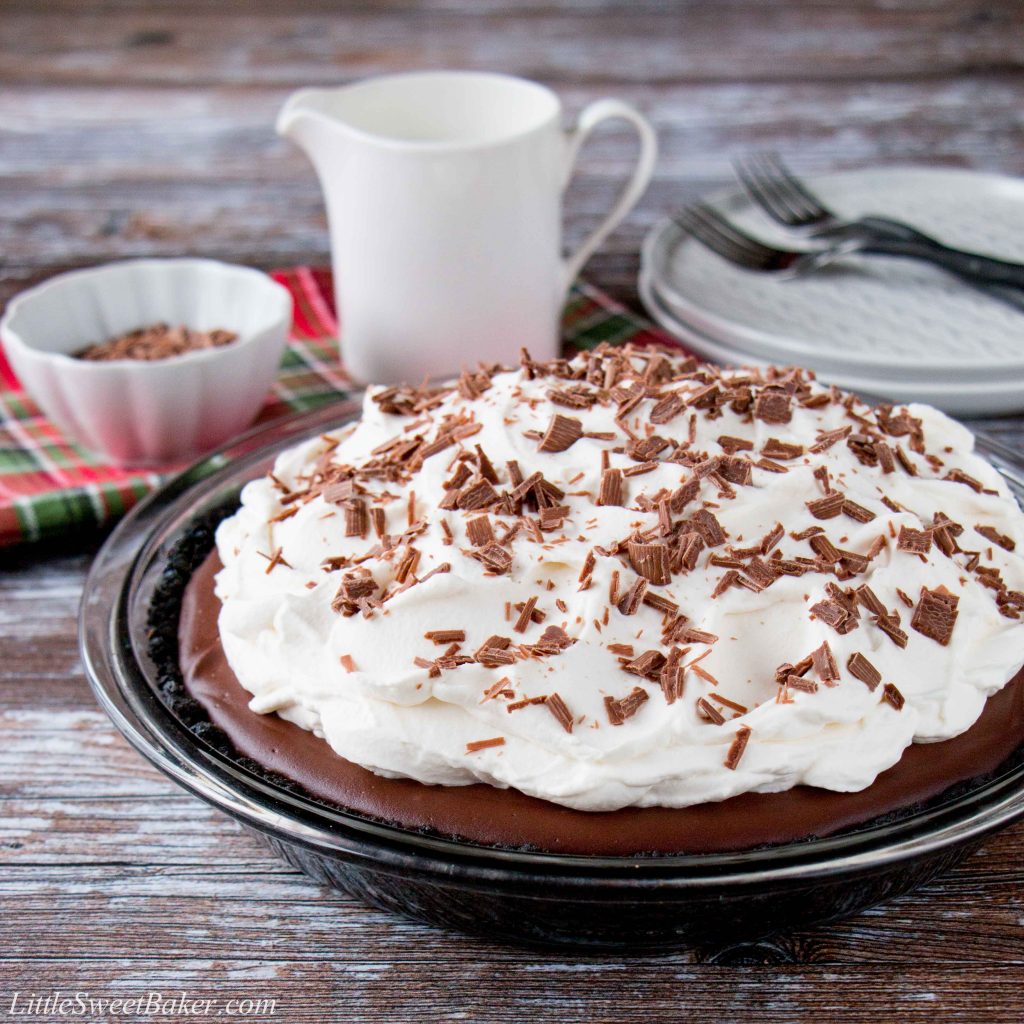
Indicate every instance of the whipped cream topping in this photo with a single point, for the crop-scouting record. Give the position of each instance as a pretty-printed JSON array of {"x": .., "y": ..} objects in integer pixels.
[{"x": 627, "y": 580}]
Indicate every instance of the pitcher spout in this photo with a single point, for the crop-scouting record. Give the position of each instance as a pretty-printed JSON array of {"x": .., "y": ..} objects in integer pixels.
[{"x": 304, "y": 119}]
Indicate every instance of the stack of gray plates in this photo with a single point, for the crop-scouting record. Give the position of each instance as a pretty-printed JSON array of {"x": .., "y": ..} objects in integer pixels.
[{"x": 891, "y": 328}]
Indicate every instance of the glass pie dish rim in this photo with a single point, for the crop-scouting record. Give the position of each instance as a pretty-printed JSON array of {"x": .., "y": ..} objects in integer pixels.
[{"x": 113, "y": 651}]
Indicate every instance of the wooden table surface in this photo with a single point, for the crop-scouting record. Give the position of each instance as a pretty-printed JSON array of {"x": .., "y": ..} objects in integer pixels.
[{"x": 138, "y": 129}]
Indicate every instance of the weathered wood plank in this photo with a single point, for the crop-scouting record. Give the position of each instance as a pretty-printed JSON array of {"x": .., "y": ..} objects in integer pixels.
[
  {"x": 551, "y": 989},
  {"x": 592, "y": 42}
]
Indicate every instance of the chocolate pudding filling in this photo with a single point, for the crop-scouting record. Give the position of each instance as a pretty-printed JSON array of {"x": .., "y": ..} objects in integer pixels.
[{"x": 486, "y": 815}]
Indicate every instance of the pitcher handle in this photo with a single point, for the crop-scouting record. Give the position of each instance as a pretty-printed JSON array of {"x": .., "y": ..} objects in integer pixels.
[{"x": 591, "y": 116}]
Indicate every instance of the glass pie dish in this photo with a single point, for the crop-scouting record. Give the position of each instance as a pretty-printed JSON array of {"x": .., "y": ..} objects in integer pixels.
[{"x": 654, "y": 901}]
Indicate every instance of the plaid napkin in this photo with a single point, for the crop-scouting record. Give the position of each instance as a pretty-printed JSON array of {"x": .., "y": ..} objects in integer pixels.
[{"x": 49, "y": 486}]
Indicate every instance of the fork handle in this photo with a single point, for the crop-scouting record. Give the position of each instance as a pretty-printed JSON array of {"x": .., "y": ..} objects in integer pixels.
[
  {"x": 898, "y": 229},
  {"x": 966, "y": 264}
]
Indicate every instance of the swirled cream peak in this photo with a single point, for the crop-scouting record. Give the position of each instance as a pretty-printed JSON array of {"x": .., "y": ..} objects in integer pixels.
[{"x": 626, "y": 579}]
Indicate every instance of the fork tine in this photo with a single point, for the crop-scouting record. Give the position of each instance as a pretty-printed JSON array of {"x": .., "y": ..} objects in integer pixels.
[
  {"x": 720, "y": 235},
  {"x": 761, "y": 186},
  {"x": 782, "y": 174},
  {"x": 708, "y": 235}
]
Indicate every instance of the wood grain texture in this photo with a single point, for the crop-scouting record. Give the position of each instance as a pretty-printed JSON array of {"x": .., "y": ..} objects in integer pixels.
[{"x": 130, "y": 129}]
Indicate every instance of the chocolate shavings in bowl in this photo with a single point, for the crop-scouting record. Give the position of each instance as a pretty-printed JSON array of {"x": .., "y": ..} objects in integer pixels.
[{"x": 158, "y": 341}]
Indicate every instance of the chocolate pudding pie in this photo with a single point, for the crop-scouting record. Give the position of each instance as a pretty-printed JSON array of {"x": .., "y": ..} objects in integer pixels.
[{"x": 623, "y": 603}]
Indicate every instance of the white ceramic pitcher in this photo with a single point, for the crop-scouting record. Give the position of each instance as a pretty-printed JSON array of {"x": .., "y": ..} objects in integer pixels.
[{"x": 443, "y": 193}]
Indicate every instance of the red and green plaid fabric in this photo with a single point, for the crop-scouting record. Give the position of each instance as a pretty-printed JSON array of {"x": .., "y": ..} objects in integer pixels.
[{"x": 49, "y": 486}]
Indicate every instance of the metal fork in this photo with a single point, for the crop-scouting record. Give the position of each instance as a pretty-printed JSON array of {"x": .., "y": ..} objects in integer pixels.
[
  {"x": 788, "y": 201},
  {"x": 713, "y": 229}
]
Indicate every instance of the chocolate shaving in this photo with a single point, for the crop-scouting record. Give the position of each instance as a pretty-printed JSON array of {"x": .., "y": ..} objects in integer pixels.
[
  {"x": 709, "y": 528},
  {"x": 736, "y": 748},
  {"x": 357, "y": 521},
  {"x": 824, "y": 663},
  {"x": 449, "y": 501},
  {"x": 667, "y": 408},
  {"x": 827, "y": 507},
  {"x": 650, "y": 561},
  {"x": 553, "y": 517},
  {"x": 573, "y": 398},
  {"x": 497, "y": 741},
  {"x": 992, "y": 534},
  {"x": 709, "y": 712},
  {"x": 641, "y": 468},
  {"x": 917, "y": 542},
  {"x": 672, "y": 677},
  {"x": 495, "y": 657},
  {"x": 587, "y": 571},
  {"x": 841, "y": 617},
  {"x": 960, "y": 477},
  {"x": 445, "y": 636},
  {"x": 737, "y": 471},
  {"x": 809, "y": 532},
  {"x": 762, "y": 573},
  {"x": 442, "y": 568},
  {"x": 690, "y": 545},
  {"x": 773, "y": 448},
  {"x": 825, "y": 549},
  {"x": 890, "y": 626},
  {"x": 885, "y": 456},
  {"x": 740, "y": 709},
  {"x": 860, "y": 668},
  {"x": 274, "y": 559},
  {"x": 731, "y": 445},
  {"x": 558, "y": 708},
  {"x": 727, "y": 580},
  {"x": 494, "y": 557},
  {"x": 697, "y": 636},
  {"x": 625, "y": 707},
  {"x": 526, "y": 615},
  {"x": 904, "y": 460},
  {"x": 771, "y": 538},
  {"x": 357, "y": 588},
  {"x": 662, "y": 604},
  {"x": 338, "y": 492},
  {"x": 630, "y": 602},
  {"x": 379, "y": 521},
  {"x": 525, "y": 703},
  {"x": 648, "y": 665},
  {"x": 857, "y": 512},
  {"x": 893, "y": 696},
  {"x": 461, "y": 476},
  {"x": 553, "y": 641},
  {"x": 871, "y": 601},
  {"x": 611, "y": 488},
  {"x": 772, "y": 405},
  {"x": 479, "y": 531},
  {"x": 407, "y": 566},
  {"x": 827, "y": 438},
  {"x": 479, "y": 496},
  {"x": 935, "y": 615},
  {"x": 562, "y": 433}
]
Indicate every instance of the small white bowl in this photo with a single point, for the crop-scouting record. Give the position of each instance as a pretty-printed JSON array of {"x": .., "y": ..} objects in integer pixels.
[{"x": 136, "y": 412}]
